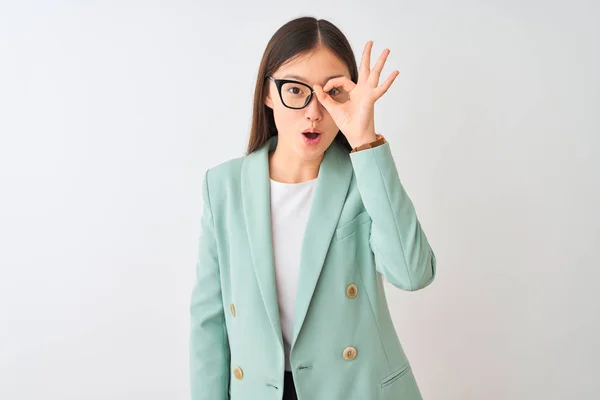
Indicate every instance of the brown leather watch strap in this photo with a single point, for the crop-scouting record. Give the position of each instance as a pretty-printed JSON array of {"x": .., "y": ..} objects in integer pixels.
[{"x": 377, "y": 142}]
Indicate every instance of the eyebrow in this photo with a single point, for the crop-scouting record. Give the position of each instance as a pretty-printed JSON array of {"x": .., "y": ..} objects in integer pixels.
[{"x": 301, "y": 78}]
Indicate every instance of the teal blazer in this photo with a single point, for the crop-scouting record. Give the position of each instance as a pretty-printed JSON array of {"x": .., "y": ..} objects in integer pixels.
[{"x": 362, "y": 228}]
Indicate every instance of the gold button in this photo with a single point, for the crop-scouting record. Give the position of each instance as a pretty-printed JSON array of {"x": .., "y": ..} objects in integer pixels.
[
  {"x": 349, "y": 353},
  {"x": 232, "y": 307},
  {"x": 238, "y": 373},
  {"x": 352, "y": 291}
]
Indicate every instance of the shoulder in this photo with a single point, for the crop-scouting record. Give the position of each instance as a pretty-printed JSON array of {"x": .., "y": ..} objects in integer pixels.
[
  {"x": 225, "y": 170},
  {"x": 223, "y": 180}
]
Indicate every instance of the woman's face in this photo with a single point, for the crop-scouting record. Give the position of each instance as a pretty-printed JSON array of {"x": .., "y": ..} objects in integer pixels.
[{"x": 315, "y": 68}]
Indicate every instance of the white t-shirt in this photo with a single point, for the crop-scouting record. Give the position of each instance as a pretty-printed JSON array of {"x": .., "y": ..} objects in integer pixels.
[{"x": 290, "y": 205}]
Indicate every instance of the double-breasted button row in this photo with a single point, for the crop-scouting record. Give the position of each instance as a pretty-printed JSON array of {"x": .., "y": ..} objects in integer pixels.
[
  {"x": 237, "y": 371},
  {"x": 352, "y": 291},
  {"x": 350, "y": 352}
]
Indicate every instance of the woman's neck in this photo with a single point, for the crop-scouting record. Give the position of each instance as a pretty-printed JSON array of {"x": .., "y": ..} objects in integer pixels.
[{"x": 287, "y": 168}]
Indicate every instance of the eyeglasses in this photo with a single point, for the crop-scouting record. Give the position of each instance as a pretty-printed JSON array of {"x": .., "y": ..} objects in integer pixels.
[{"x": 296, "y": 95}]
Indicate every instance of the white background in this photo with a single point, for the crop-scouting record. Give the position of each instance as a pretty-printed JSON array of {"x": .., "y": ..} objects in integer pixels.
[{"x": 110, "y": 112}]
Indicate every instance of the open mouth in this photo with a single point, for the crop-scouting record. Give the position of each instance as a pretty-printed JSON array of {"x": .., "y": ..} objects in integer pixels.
[{"x": 311, "y": 135}]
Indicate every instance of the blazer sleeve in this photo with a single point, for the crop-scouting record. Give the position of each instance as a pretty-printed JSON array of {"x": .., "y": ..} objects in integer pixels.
[
  {"x": 401, "y": 249},
  {"x": 209, "y": 346}
]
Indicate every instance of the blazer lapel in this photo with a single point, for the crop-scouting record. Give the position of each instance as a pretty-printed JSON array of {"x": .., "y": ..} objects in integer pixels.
[{"x": 334, "y": 177}]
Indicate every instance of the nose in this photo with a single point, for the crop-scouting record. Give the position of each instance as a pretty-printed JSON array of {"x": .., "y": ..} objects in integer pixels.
[{"x": 312, "y": 111}]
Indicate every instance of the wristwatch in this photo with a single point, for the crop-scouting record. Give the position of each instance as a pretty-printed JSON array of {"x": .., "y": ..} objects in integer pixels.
[{"x": 377, "y": 142}]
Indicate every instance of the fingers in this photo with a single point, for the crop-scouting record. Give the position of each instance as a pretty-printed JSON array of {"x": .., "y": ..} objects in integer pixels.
[
  {"x": 324, "y": 98},
  {"x": 376, "y": 72},
  {"x": 365, "y": 62},
  {"x": 365, "y": 74},
  {"x": 380, "y": 91},
  {"x": 343, "y": 81}
]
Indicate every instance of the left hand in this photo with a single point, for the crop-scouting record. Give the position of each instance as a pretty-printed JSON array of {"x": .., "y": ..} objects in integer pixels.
[{"x": 355, "y": 118}]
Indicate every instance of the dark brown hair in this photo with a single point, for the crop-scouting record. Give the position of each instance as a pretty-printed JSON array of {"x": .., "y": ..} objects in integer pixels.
[{"x": 296, "y": 38}]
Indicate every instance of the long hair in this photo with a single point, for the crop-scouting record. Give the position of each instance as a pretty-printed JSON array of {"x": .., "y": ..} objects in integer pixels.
[{"x": 296, "y": 38}]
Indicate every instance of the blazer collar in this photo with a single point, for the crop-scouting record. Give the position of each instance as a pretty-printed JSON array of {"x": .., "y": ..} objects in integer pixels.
[{"x": 333, "y": 180}]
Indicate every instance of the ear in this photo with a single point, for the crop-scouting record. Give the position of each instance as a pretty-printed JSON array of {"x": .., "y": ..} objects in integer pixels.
[{"x": 268, "y": 100}]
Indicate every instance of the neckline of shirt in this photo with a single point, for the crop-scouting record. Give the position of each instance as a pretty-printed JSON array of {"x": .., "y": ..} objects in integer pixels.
[{"x": 293, "y": 184}]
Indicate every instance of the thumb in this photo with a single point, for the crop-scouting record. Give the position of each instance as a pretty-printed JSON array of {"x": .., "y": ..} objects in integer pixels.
[{"x": 323, "y": 97}]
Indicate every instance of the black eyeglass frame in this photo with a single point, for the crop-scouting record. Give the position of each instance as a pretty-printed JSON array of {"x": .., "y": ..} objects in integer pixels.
[{"x": 280, "y": 82}]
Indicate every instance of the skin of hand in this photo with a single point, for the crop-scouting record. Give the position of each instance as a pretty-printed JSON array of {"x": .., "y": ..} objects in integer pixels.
[{"x": 355, "y": 118}]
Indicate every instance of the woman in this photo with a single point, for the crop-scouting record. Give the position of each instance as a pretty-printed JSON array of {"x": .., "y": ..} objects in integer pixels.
[{"x": 298, "y": 235}]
